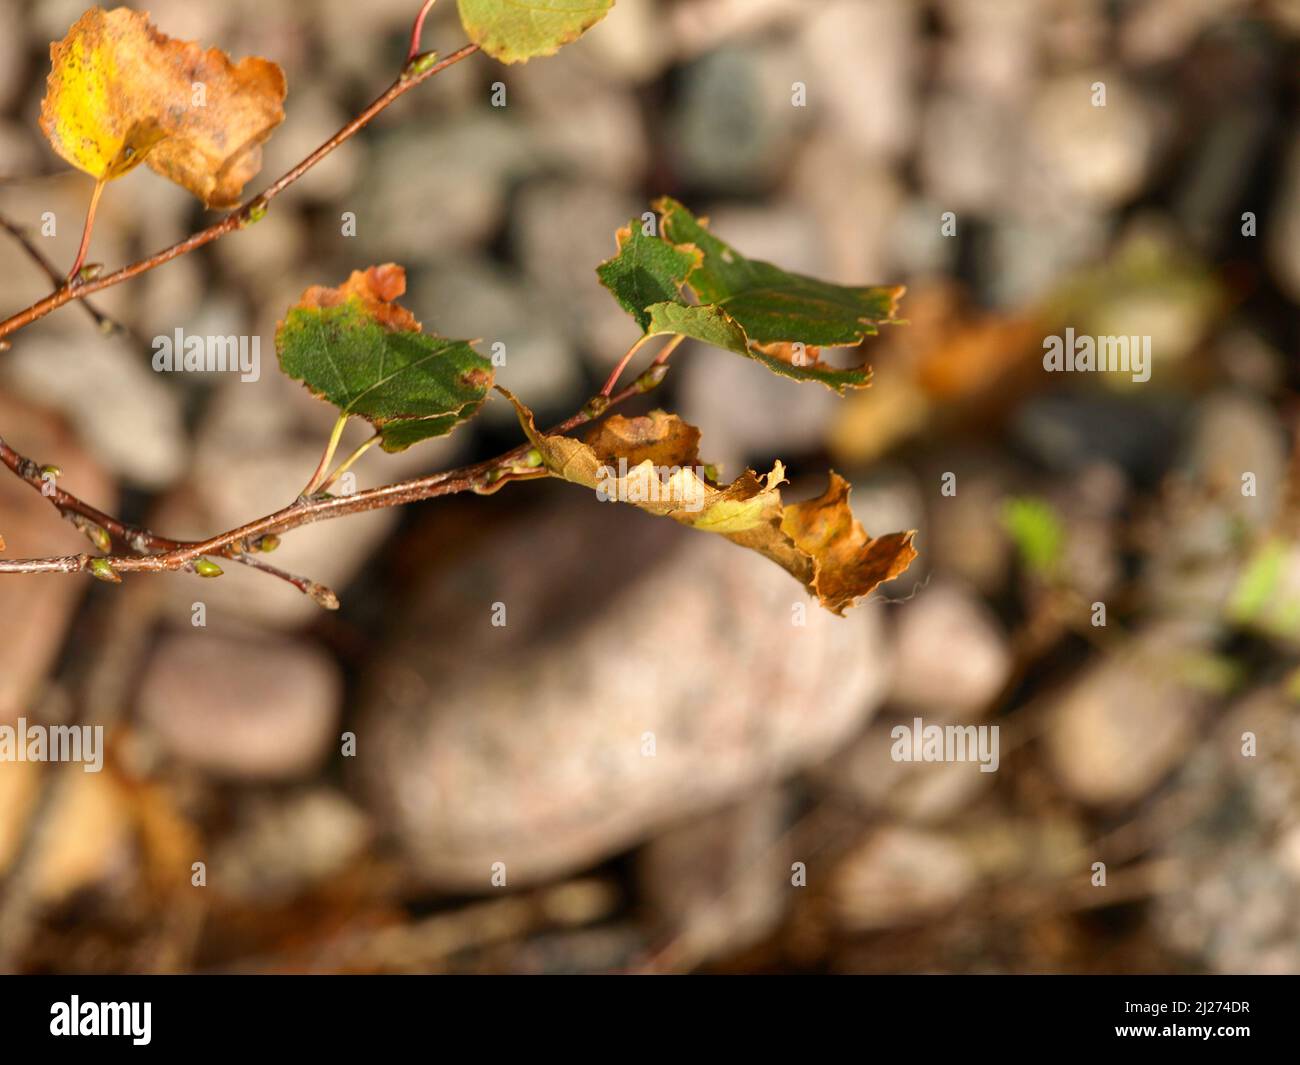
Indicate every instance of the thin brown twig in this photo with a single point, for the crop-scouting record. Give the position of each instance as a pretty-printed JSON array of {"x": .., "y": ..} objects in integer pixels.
[
  {"x": 100, "y": 527},
  {"x": 160, "y": 555},
  {"x": 414, "y": 73},
  {"x": 137, "y": 538},
  {"x": 322, "y": 595},
  {"x": 102, "y": 320}
]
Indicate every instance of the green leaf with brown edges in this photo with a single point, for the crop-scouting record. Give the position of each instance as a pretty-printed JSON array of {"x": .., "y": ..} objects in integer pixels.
[
  {"x": 356, "y": 348},
  {"x": 772, "y": 305},
  {"x": 785, "y": 317},
  {"x": 646, "y": 271},
  {"x": 715, "y": 326},
  {"x": 515, "y": 31},
  {"x": 653, "y": 463}
]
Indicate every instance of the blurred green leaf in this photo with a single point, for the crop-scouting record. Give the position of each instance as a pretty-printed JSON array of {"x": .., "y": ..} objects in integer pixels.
[
  {"x": 1038, "y": 533},
  {"x": 1258, "y": 582}
]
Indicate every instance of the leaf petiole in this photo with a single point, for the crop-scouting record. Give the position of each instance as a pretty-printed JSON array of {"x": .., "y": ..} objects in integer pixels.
[
  {"x": 661, "y": 358},
  {"x": 350, "y": 460},
  {"x": 417, "y": 31},
  {"x": 85, "y": 233},
  {"x": 326, "y": 458}
]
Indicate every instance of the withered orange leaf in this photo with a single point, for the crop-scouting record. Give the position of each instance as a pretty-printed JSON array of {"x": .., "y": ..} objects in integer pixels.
[
  {"x": 120, "y": 93},
  {"x": 653, "y": 463}
]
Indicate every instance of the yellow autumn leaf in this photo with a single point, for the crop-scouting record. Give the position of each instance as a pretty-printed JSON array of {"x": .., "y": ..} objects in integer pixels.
[
  {"x": 120, "y": 93},
  {"x": 653, "y": 463}
]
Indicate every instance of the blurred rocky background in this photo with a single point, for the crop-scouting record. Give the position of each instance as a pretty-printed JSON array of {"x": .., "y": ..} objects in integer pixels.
[{"x": 649, "y": 767}]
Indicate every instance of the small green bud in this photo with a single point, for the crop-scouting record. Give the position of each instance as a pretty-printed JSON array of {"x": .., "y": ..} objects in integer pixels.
[
  {"x": 255, "y": 213},
  {"x": 711, "y": 473},
  {"x": 652, "y": 378},
  {"x": 97, "y": 536},
  {"x": 267, "y": 543},
  {"x": 101, "y": 569},
  {"x": 90, "y": 272},
  {"x": 204, "y": 568},
  {"x": 48, "y": 472},
  {"x": 596, "y": 406},
  {"x": 419, "y": 65},
  {"x": 533, "y": 459}
]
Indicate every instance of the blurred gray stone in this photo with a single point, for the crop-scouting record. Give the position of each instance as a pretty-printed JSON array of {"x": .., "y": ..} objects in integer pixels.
[
  {"x": 19, "y": 150},
  {"x": 1248, "y": 361},
  {"x": 718, "y": 883},
  {"x": 1029, "y": 258},
  {"x": 475, "y": 298},
  {"x": 1231, "y": 906},
  {"x": 262, "y": 254},
  {"x": 281, "y": 846},
  {"x": 1089, "y": 509},
  {"x": 734, "y": 124},
  {"x": 968, "y": 148},
  {"x": 254, "y": 708},
  {"x": 1125, "y": 722},
  {"x": 856, "y": 207},
  {"x": 124, "y": 412},
  {"x": 11, "y": 58},
  {"x": 951, "y": 655},
  {"x": 990, "y": 49},
  {"x": 528, "y": 743},
  {"x": 1095, "y": 155},
  {"x": 581, "y": 123},
  {"x": 1069, "y": 431},
  {"x": 563, "y": 230},
  {"x": 962, "y": 538},
  {"x": 436, "y": 192},
  {"x": 312, "y": 116},
  {"x": 919, "y": 792},
  {"x": 1236, "y": 434},
  {"x": 1198, "y": 569},
  {"x": 900, "y": 876},
  {"x": 1158, "y": 31},
  {"x": 870, "y": 105},
  {"x": 630, "y": 45}
]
